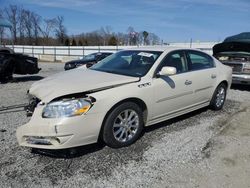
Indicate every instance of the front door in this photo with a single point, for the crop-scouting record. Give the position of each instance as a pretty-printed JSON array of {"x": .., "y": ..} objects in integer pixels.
[{"x": 172, "y": 93}]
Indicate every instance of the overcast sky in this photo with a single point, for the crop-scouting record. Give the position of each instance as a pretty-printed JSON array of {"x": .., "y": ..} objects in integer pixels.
[{"x": 171, "y": 20}]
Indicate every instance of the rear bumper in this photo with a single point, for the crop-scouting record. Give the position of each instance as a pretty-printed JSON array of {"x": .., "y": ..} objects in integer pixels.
[{"x": 241, "y": 79}]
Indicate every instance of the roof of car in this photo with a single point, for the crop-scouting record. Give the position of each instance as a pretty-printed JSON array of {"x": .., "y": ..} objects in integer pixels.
[{"x": 157, "y": 48}]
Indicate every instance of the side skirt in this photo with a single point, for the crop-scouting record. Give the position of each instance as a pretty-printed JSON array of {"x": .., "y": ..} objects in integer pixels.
[{"x": 177, "y": 113}]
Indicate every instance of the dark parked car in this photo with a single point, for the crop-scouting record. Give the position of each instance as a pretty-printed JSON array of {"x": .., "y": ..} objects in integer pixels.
[
  {"x": 235, "y": 52},
  {"x": 87, "y": 60},
  {"x": 14, "y": 63}
]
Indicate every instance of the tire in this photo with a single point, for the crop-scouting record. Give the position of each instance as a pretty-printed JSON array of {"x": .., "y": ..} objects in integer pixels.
[
  {"x": 219, "y": 97},
  {"x": 7, "y": 69},
  {"x": 123, "y": 125}
]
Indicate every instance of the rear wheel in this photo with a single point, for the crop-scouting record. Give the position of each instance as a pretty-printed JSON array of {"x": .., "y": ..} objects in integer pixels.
[
  {"x": 6, "y": 69},
  {"x": 219, "y": 97},
  {"x": 123, "y": 125}
]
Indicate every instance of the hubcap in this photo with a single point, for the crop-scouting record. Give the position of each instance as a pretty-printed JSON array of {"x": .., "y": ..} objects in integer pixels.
[
  {"x": 220, "y": 97},
  {"x": 126, "y": 125}
]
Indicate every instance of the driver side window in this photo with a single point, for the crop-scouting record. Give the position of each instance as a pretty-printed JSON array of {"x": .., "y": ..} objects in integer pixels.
[{"x": 177, "y": 60}]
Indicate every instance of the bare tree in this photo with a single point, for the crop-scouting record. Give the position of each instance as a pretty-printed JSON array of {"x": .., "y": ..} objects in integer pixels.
[
  {"x": 106, "y": 34},
  {"x": 49, "y": 27},
  {"x": 153, "y": 39},
  {"x": 12, "y": 15},
  {"x": 1, "y": 28},
  {"x": 60, "y": 30},
  {"x": 27, "y": 16},
  {"x": 133, "y": 36},
  {"x": 35, "y": 20}
]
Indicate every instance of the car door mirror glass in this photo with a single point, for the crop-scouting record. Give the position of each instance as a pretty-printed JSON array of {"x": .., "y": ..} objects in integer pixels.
[{"x": 167, "y": 71}]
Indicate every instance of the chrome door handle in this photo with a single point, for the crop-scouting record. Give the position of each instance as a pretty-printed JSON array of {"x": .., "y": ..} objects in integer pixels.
[
  {"x": 188, "y": 82},
  {"x": 213, "y": 76}
]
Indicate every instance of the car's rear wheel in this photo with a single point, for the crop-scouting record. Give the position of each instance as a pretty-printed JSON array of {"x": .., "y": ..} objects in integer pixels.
[
  {"x": 219, "y": 97},
  {"x": 123, "y": 125}
]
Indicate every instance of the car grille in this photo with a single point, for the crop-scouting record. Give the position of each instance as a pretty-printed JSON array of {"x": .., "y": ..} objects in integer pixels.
[{"x": 236, "y": 67}]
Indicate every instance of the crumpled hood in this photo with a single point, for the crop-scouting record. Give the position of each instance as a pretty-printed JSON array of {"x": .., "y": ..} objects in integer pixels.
[{"x": 76, "y": 81}]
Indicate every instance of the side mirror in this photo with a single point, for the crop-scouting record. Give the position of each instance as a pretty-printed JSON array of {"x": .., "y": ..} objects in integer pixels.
[{"x": 167, "y": 71}]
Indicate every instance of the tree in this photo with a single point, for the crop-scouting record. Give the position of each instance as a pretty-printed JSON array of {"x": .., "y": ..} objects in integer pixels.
[
  {"x": 133, "y": 36},
  {"x": 105, "y": 33},
  {"x": 27, "y": 24},
  {"x": 36, "y": 20},
  {"x": 73, "y": 42},
  {"x": 112, "y": 41},
  {"x": 60, "y": 29},
  {"x": 80, "y": 43},
  {"x": 1, "y": 28},
  {"x": 145, "y": 36},
  {"x": 49, "y": 27},
  {"x": 12, "y": 15},
  {"x": 67, "y": 42}
]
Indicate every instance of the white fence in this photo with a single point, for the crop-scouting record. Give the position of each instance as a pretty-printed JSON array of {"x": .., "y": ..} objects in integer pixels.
[{"x": 60, "y": 53}]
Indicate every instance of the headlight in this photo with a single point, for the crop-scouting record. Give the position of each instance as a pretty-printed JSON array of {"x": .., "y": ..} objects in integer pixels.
[
  {"x": 246, "y": 68},
  {"x": 66, "y": 108}
]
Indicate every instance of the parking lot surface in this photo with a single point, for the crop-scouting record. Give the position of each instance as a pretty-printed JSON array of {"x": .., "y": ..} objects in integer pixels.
[{"x": 200, "y": 149}]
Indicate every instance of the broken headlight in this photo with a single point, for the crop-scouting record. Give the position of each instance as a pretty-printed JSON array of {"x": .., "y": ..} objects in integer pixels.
[{"x": 66, "y": 108}]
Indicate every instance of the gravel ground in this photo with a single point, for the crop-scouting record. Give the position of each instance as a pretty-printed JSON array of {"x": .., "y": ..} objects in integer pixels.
[{"x": 201, "y": 149}]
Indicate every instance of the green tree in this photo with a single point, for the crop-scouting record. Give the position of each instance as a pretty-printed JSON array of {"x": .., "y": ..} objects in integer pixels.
[
  {"x": 112, "y": 41},
  {"x": 67, "y": 42},
  {"x": 145, "y": 36},
  {"x": 73, "y": 42},
  {"x": 80, "y": 43}
]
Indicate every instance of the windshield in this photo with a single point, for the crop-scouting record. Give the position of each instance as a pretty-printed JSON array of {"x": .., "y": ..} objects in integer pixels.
[
  {"x": 89, "y": 57},
  {"x": 130, "y": 62}
]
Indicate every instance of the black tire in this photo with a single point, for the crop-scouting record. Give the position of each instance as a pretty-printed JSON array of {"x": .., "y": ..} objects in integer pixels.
[
  {"x": 109, "y": 129},
  {"x": 7, "y": 67},
  {"x": 218, "y": 98}
]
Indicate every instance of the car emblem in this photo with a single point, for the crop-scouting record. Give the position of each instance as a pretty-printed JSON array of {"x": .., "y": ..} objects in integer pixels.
[{"x": 144, "y": 85}]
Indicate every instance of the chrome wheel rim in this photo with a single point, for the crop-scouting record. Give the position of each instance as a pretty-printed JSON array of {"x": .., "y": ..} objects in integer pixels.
[
  {"x": 126, "y": 125},
  {"x": 220, "y": 97}
]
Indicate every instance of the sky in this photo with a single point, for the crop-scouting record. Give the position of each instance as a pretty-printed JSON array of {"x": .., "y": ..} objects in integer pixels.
[{"x": 171, "y": 20}]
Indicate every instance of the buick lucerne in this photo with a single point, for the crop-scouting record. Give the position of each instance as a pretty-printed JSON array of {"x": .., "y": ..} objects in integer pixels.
[{"x": 116, "y": 98}]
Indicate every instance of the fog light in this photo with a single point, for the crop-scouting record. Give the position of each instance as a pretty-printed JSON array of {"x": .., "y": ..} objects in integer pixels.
[{"x": 38, "y": 140}]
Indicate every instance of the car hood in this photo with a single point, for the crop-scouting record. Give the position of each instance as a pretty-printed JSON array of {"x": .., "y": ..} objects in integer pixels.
[
  {"x": 77, "y": 81},
  {"x": 231, "y": 47}
]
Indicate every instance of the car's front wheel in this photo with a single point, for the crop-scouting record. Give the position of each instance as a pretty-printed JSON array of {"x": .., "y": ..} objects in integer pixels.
[
  {"x": 219, "y": 97},
  {"x": 123, "y": 125}
]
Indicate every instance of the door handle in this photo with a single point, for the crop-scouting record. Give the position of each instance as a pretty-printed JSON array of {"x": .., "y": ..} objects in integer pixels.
[
  {"x": 188, "y": 82},
  {"x": 213, "y": 76}
]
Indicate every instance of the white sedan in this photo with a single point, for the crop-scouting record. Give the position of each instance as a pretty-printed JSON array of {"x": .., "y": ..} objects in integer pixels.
[{"x": 116, "y": 98}]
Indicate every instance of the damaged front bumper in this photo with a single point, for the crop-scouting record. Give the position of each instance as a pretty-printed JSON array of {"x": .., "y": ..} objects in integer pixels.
[{"x": 59, "y": 133}]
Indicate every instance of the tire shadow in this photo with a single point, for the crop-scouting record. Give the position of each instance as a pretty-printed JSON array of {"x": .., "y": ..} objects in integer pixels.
[{"x": 240, "y": 87}]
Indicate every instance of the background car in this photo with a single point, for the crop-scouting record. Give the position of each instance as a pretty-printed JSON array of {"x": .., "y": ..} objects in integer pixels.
[
  {"x": 15, "y": 63},
  {"x": 235, "y": 52},
  {"x": 87, "y": 60}
]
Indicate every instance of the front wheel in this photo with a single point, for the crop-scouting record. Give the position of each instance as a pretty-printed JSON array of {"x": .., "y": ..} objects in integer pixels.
[
  {"x": 219, "y": 97},
  {"x": 123, "y": 125}
]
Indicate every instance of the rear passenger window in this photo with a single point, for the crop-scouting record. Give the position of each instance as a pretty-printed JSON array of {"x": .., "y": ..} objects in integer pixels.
[{"x": 199, "y": 60}]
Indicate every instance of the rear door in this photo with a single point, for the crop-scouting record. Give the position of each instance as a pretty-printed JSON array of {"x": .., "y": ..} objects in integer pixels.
[{"x": 202, "y": 74}]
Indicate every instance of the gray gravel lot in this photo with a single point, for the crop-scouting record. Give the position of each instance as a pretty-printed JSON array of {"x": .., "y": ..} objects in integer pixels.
[{"x": 189, "y": 151}]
